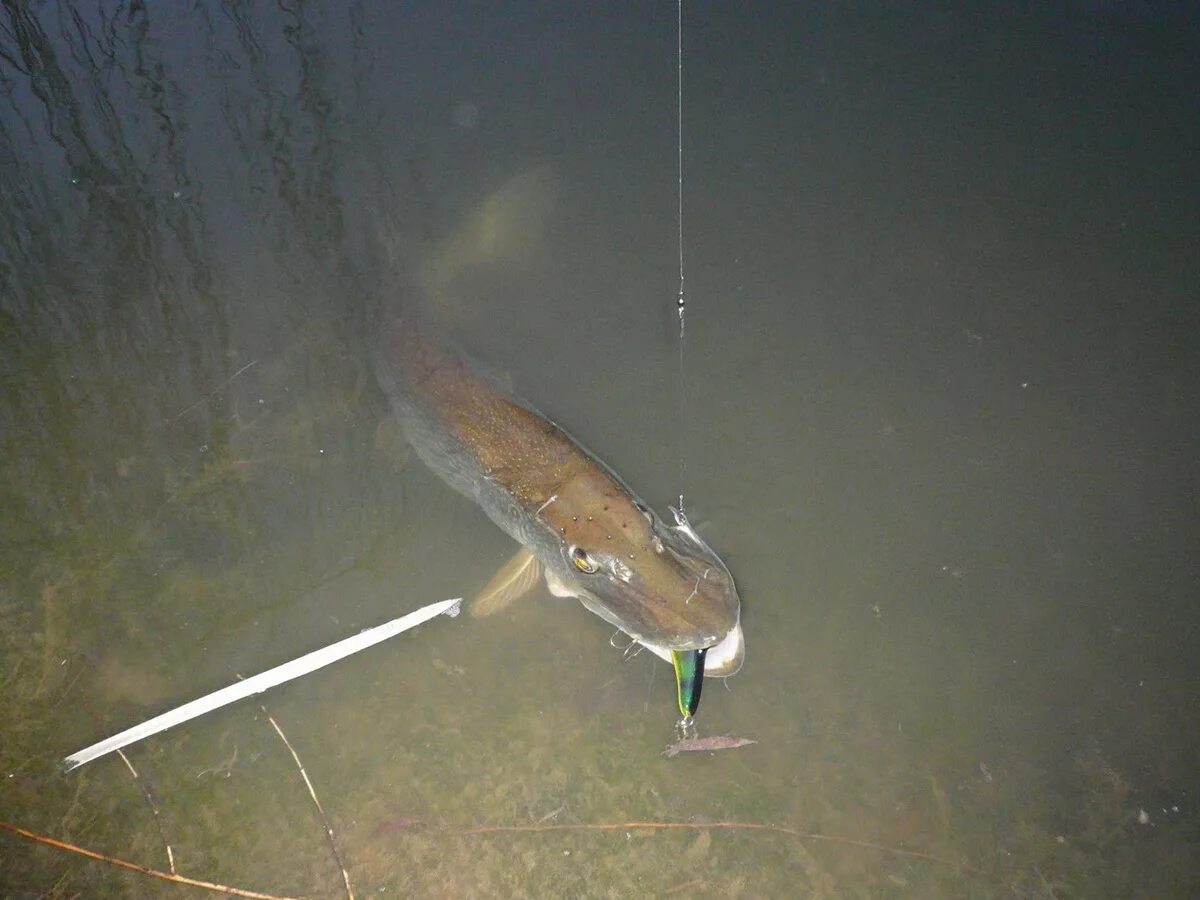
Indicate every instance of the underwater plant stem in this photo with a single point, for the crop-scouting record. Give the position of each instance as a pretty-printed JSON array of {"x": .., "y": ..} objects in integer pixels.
[
  {"x": 158, "y": 819},
  {"x": 337, "y": 857},
  {"x": 722, "y": 826},
  {"x": 135, "y": 867}
]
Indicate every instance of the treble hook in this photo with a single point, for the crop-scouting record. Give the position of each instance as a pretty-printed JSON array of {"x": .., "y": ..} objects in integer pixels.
[{"x": 629, "y": 651}]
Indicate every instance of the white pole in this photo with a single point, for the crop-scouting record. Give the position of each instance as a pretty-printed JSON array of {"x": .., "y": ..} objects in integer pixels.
[{"x": 260, "y": 682}]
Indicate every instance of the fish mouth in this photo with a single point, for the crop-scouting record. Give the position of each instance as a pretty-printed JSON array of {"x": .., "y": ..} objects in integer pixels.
[
  {"x": 723, "y": 658},
  {"x": 724, "y": 655}
]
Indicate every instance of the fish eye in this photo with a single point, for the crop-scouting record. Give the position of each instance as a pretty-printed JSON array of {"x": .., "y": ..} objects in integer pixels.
[{"x": 583, "y": 561}]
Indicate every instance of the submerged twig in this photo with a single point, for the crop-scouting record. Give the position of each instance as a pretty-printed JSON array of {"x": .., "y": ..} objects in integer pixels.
[
  {"x": 135, "y": 867},
  {"x": 158, "y": 819},
  {"x": 337, "y": 857},
  {"x": 724, "y": 826},
  {"x": 225, "y": 767},
  {"x": 220, "y": 387}
]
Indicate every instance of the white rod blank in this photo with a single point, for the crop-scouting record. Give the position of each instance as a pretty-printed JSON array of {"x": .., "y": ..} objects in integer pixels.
[{"x": 262, "y": 681}]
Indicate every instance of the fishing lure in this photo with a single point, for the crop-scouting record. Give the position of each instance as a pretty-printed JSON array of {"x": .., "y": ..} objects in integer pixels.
[{"x": 689, "y": 679}]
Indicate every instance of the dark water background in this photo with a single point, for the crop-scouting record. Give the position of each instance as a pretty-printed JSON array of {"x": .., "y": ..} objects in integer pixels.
[{"x": 939, "y": 416}]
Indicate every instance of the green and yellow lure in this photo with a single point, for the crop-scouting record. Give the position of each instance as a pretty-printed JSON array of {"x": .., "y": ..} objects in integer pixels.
[{"x": 689, "y": 679}]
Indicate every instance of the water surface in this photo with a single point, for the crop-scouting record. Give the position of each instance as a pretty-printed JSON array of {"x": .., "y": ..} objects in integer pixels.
[{"x": 936, "y": 413}]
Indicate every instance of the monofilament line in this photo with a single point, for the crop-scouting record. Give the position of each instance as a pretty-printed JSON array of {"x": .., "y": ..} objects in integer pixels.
[{"x": 679, "y": 303}]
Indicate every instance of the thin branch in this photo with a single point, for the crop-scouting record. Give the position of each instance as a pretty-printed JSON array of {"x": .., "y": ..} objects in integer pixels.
[
  {"x": 220, "y": 387},
  {"x": 723, "y": 826},
  {"x": 158, "y": 819},
  {"x": 337, "y": 857},
  {"x": 134, "y": 867}
]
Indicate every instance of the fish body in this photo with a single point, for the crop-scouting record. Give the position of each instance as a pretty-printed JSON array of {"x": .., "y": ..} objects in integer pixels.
[
  {"x": 584, "y": 529},
  {"x": 698, "y": 745}
]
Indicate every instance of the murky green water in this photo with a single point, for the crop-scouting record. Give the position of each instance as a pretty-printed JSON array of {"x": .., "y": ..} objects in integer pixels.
[{"x": 936, "y": 414}]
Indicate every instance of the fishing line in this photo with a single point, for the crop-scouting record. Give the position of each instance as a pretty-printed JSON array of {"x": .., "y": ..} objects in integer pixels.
[{"x": 680, "y": 306}]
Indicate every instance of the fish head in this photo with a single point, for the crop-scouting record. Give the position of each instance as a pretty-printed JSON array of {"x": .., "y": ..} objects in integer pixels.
[{"x": 659, "y": 583}]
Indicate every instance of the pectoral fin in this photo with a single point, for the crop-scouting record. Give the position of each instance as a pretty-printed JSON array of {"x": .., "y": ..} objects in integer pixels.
[
  {"x": 689, "y": 679},
  {"x": 516, "y": 577}
]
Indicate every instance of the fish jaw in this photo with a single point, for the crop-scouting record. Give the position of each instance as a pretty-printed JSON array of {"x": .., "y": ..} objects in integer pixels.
[{"x": 723, "y": 659}]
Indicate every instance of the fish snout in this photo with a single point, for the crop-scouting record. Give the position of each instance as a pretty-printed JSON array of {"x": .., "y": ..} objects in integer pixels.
[
  {"x": 714, "y": 606},
  {"x": 706, "y": 595}
]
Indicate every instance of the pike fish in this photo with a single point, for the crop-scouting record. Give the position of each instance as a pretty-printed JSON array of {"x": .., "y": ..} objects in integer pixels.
[{"x": 579, "y": 525}]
